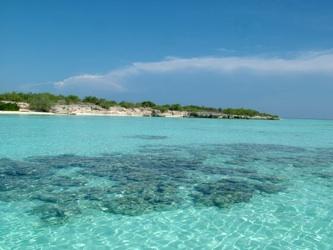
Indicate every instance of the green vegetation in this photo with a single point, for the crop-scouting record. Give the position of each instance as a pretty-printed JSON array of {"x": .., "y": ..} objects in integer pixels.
[
  {"x": 245, "y": 112},
  {"x": 38, "y": 101},
  {"x": 71, "y": 99},
  {"x": 148, "y": 104},
  {"x": 127, "y": 105},
  {"x": 43, "y": 102},
  {"x": 99, "y": 101},
  {"x": 9, "y": 106}
]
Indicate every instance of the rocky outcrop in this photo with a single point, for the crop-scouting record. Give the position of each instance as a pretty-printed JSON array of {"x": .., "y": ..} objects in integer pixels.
[
  {"x": 205, "y": 114},
  {"x": 217, "y": 115},
  {"x": 92, "y": 109},
  {"x": 169, "y": 113}
]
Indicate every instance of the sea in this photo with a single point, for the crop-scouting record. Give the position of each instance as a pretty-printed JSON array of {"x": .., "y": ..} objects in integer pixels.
[{"x": 73, "y": 182}]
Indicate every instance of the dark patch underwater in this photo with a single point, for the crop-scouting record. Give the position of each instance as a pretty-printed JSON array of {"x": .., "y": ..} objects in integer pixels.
[
  {"x": 147, "y": 137},
  {"x": 156, "y": 178}
]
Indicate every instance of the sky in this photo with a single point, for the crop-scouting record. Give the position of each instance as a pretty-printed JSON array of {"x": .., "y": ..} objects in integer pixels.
[{"x": 274, "y": 56}]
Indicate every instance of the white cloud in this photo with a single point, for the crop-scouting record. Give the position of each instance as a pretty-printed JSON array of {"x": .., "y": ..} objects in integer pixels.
[
  {"x": 88, "y": 79},
  {"x": 309, "y": 63}
]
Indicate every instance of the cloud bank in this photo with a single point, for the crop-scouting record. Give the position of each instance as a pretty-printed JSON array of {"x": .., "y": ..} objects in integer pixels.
[{"x": 309, "y": 63}]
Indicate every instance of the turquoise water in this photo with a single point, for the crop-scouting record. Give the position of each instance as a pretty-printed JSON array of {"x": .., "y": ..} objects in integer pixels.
[{"x": 150, "y": 183}]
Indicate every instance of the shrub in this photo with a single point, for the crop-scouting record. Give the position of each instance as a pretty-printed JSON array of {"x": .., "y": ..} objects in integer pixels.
[
  {"x": 241, "y": 111},
  {"x": 176, "y": 107},
  {"x": 106, "y": 103},
  {"x": 9, "y": 107},
  {"x": 100, "y": 102},
  {"x": 147, "y": 104},
  {"x": 91, "y": 99},
  {"x": 162, "y": 109},
  {"x": 41, "y": 102},
  {"x": 127, "y": 105},
  {"x": 72, "y": 99}
]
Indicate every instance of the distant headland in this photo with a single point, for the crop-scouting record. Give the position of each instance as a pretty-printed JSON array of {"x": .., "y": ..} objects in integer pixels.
[{"x": 50, "y": 104}]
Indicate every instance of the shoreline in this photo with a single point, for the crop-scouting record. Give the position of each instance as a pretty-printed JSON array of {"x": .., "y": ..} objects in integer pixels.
[
  {"x": 26, "y": 113},
  {"x": 35, "y": 113}
]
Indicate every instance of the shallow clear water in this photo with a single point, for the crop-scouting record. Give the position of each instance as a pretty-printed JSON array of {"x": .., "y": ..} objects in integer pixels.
[{"x": 150, "y": 183}]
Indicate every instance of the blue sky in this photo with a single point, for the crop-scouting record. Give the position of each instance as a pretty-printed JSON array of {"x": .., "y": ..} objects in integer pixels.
[{"x": 275, "y": 56}]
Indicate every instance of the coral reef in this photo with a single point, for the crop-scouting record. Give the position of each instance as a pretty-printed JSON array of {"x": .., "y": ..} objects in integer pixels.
[{"x": 155, "y": 178}]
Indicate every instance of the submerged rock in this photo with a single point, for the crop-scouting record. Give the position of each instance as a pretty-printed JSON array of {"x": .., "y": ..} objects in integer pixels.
[
  {"x": 138, "y": 198},
  {"x": 222, "y": 193},
  {"x": 225, "y": 192},
  {"x": 50, "y": 214},
  {"x": 46, "y": 198},
  {"x": 155, "y": 178}
]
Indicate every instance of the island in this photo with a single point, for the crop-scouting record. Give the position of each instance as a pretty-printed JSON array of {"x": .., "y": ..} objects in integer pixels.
[{"x": 50, "y": 104}]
